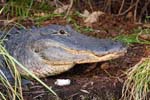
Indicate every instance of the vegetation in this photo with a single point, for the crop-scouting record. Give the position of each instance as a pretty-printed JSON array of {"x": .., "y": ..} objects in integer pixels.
[
  {"x": 11, "y": 91},
  {"x": 25, "y": 8},
  {"x": 136, "y": 86},
  {"x": 18, "y": 7},
  {"x": 14, "y": 92},
  {"x": 21, "y": 9},
  {"x": 134, "y": 37}
]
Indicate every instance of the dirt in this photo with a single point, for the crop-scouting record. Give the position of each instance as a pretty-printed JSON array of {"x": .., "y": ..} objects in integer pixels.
[{"x": 103, "y": 82}]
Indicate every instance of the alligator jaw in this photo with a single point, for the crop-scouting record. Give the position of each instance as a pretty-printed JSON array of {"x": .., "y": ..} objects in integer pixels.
[
  {"x": 78, "y": 57},
  {"x": 52, "y": 67},
  {"x": 56, "y": 53}
]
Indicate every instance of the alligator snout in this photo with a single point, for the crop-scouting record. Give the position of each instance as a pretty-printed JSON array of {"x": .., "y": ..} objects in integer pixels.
[{"x": 77, "y": 48}]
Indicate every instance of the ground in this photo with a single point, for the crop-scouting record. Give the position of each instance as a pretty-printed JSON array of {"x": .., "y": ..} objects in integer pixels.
[{"x": 105, "y": 81}]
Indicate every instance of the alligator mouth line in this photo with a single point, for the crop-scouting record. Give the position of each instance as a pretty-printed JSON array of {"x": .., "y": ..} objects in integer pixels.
[
  {"x": 94, "y": 59},
  {"x": 102, "y": 57},
  {"x": 88, "y": 52}
]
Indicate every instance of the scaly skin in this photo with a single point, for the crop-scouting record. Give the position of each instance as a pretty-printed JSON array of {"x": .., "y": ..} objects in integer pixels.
[{"x": 55, "y": 49}]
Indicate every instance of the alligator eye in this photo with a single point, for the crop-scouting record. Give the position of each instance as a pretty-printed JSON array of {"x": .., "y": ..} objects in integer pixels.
[{"x": 62, "y": 32}]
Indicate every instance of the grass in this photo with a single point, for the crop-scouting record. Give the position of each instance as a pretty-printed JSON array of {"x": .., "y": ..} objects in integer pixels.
[
  {"x": 24, "y": 9},
  {"x": 18, "y": 7},
  {"x": 13, "y": 92},
  {"x": 21, "y": 10},
  {"x": 134, "y": 37},
  {"x": 38, "y": 20},
  {"x": 70, "y": 19},
  {"x": 136, "y": 86}
]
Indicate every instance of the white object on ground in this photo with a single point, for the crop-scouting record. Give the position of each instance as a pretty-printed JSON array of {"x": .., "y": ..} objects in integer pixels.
[{"x": 62, "y": 82}]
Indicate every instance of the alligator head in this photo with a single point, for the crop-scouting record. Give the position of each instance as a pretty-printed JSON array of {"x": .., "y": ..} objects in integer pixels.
[{"x": 55, "y": 49}]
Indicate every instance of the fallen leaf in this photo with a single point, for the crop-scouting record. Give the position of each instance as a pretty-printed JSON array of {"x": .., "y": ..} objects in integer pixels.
[
  {"x": 146, "y": 25},
  {"x": 8, "y": 21},
  {"x": 61, "y": 9},
  {"x": 105, "y": 66},
  {"x": 86, "y": 13},
  {"x": 129, "y": 15},
  {"x": 145, "y": 36},
  {"x": 93, "y": 17},
  {"x": 40, "y": 14}
]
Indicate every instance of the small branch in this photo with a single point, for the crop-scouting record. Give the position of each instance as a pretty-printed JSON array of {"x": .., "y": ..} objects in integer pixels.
[
  {"x": 122, "y": 4},
  {"x": 126, "y": 11},
  {"x": 89, "y": 3},
  {"x": 135, "y": 10},
  {"x": 108, "y": 5},
  {"x": 57, "y": 3},
  {"x": 69, "y": 8},
  {"x": 144, "y": 9}
]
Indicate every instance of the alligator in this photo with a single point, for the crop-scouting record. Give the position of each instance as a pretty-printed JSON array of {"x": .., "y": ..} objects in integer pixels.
[{"x": 54, "y": 49}]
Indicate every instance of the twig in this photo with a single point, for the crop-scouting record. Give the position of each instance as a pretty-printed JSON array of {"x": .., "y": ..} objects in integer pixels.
[
  {"x": 143, "y": 10},
  {"x": 122, "y": 4},
  {"x": 89, "y": 3},
  {"x": 135, "y": 10},
  {"x": 69, "y": 8},
  {"x": 57, "y": 3},
  {"x": 123, "y": 13},
  {"x": 105, "y": 5},
  {"x": 35, "y": 92},
  {"x": 40, "y": 95},
  {"x": 108, "y": 5}
]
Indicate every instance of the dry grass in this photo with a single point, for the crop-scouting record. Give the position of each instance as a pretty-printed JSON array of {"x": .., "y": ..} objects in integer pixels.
[
  {"x": 14, "y": 91},
  {"x": 136, "y": 86}
]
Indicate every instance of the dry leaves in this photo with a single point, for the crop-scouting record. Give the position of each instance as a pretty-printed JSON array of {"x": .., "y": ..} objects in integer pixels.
[
  {"x": 145, "y": 36},
  {"x": 105, "y": 66},
  {"x": 40, "y": 14},
  {"x": 92, "y": 18},
  {"x": 61, "y": 9},
  {"x": 86, "y": 13},
  {"x": 129, "y": 15}
]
